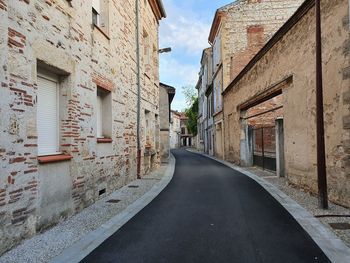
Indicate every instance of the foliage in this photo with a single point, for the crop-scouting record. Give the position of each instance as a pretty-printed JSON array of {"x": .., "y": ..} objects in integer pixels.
[
  {"x": 192, "y": 111},
  {"x": 192, "y": 114},
  {"x": 190, "y": 94}
]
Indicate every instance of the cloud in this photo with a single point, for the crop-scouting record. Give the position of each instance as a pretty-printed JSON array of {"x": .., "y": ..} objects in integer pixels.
[
  {"x": 184, "y": 30},
  {"x": 178, "y": 104},
  {"x": 177, "y": 73}
]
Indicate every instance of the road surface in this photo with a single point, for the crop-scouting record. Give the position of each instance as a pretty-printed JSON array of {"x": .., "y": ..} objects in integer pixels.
[{"x": 210, "y": 213}]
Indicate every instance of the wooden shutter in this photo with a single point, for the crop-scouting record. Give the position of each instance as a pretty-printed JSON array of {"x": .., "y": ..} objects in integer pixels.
[
  {"x": 99, "y": 116},
  {"x": 47, "y": 116}
]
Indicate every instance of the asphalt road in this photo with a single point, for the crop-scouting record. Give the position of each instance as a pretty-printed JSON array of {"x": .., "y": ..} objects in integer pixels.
[{"x": 210, "y": 213}]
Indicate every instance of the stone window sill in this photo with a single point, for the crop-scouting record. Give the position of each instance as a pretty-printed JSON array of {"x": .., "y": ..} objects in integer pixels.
[
  {"x": 54, "y": 158},
  {"x": 101, "y": 31},
  {"x": 104, "y": 140}
]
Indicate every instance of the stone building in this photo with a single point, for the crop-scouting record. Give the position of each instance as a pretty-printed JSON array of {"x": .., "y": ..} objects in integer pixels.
[
  {"x": 175, "y": 129},
  {"x": 186, "y": 138},
  {"x": 278, "y": 85},
  {"x": 238, "y": 32},
  {"x": 204, "y": 81},
  {"x": 68, "y": 108},
  {"x": 166, "y": 96}
]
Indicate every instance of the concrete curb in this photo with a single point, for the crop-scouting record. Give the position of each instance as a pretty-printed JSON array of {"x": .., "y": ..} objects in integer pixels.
[
  {"x": 330, "y": 244},
  {"x": 91, "y": 241}
]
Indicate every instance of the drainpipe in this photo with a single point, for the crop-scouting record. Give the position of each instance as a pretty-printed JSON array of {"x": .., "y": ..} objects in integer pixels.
[
  {"x": 321, "y": 155},
  {"x": 138, "y": 133}
]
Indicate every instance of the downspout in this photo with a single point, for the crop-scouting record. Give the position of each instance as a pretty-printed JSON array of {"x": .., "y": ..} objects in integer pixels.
[
  {"x": 138, "y": 133},
  {"x": 321, "y": 151}
]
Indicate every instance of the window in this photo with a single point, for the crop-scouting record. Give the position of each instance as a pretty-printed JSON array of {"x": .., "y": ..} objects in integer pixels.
[
  {"x": 183, "y": 130},
  {"x": 100, "y": 16},
  {"x": 96, "y": 11},
  {"x": 48, "y": 114},
  {"x": 147, "y": 47},
  {"x": 103, "y": 114}
]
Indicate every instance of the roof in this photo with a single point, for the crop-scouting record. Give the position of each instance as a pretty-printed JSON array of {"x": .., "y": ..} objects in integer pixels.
[
  {"x": 171, "y": 90},
  {"x": 301, "y": 11},
  {"x": 158, "y": 8},
  {"x": 176, "y": 113}
]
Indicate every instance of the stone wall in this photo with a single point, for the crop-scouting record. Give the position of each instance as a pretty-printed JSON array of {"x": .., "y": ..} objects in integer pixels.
[
  {"x": 164, "y": 114},
  {"x": 175, "y": 130},
  {"x": 58, "y": 36},
  {"x": 293, "y": 56},
  {"x": 247, "y": 25}
]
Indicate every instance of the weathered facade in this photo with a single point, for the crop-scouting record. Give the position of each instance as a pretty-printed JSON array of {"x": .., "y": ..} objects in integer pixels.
[
  {"x": 166, "y": 96},
  {"x": 204, "y": 81},
  {"x": 238, "y": 32},
  {"x": 175, "y": 129},
  {"x": 285, "y": 67},
  {"x": 68, "y": 108},
  {"x": 186, "y": 138}
]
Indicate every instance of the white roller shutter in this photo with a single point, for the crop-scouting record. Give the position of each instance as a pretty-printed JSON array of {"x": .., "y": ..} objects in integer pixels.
[
  {"x": 99, "y": 116},
  {"x": 47, "y": 116}
]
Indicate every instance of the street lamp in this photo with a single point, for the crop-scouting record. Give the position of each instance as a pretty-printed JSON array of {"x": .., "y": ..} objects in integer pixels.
[{"x": 164, "y": 50}]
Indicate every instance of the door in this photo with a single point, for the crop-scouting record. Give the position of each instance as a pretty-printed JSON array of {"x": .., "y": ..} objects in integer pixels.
[{"x": 264, "y": 147}]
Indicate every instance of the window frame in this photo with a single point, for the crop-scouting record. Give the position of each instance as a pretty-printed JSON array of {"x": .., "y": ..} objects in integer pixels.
[
  {"x": 49, "y": 76},
  {"x": 103, "y": 93}
]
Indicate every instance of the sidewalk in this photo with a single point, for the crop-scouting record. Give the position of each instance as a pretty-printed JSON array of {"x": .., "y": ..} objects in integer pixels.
[
  {"x": 116, "y": 208},
  {"x": 304, "y": 208}
]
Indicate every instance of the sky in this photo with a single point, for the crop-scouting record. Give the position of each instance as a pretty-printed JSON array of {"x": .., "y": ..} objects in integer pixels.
[{"x": 185, "y": 30}]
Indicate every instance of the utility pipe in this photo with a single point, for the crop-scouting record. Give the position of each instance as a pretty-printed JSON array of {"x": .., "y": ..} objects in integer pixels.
[
  {"x": 138, "y": 133},
  {"x": 321, "y": 151}
]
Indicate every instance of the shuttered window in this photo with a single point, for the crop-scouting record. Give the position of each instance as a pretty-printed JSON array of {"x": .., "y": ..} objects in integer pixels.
[
  {"x": 96, "y": 11},
  {"x": 47, "y": 116},
  {"x": 99, "y": 111}
]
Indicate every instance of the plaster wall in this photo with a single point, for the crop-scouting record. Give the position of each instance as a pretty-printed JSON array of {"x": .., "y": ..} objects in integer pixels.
[{"x": 294, "y": 55}]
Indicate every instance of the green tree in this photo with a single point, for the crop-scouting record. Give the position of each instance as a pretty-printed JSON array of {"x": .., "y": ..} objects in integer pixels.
[
  {"x": 192, "y": 110},
  {"x": 192, "y": 114}
]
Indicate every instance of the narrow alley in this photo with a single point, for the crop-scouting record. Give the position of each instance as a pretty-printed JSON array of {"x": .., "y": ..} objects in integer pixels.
[{"x": 210, "y": 213}]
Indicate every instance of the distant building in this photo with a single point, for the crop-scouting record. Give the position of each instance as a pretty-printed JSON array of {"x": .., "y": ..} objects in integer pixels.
[
  {"x": 204, "y": 82},
  {"x": 238, "y": 32},
  {"x": 186, "y": 138},
  {"x": 166, "y": 96},
  {"x": 175, "y": 130}
]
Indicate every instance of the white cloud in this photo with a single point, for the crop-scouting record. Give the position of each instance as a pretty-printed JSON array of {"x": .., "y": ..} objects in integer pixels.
[
  {"x": 174, "y": 72},
  {"x": 184, "y": 30},
  {"x": 178, "y": 104}
]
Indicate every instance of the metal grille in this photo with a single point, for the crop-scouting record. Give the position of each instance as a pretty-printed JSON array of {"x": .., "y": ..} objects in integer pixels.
[{"x": 264, "y": 147}]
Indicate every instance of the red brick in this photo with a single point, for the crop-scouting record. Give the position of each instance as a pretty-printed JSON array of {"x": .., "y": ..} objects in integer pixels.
[{"x": 17, "y": 160}]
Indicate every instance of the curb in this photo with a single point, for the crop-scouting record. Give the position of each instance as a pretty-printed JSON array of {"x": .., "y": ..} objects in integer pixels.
[
  {"x": 92, "y": 240},
  {"x": 328, "y": 242}
]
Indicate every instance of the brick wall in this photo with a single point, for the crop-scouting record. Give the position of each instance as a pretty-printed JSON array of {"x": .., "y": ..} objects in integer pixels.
[
  {"x": 246, "y": 26},
  {"x": 58, "y": 36}
]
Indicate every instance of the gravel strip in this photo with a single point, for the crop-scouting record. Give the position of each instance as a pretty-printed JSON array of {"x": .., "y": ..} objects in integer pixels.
[{"x": 45, "y": 246}]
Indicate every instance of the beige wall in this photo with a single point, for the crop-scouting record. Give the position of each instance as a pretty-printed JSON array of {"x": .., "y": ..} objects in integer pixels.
[
  {"x": 294, "y": 55},
  {"x": 164, "y": 123}
]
